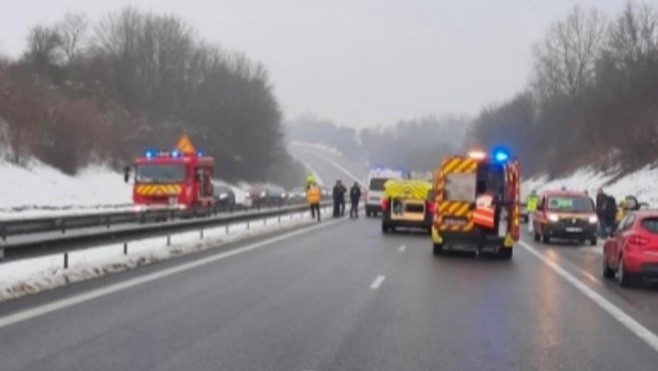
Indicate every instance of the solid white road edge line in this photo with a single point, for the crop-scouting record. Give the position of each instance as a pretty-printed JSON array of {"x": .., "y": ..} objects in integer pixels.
[
  {"x": 104, "y": 291},
  {"x": 377, "y": 282},
  {"x": 634, "y": 326},
  {"x": 402, "y": 248}
]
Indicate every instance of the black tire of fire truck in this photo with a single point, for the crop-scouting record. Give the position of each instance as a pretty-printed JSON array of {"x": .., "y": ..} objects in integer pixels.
[
  {"x": 437, "y": 248},
  {"x": 386, "y": 228}
]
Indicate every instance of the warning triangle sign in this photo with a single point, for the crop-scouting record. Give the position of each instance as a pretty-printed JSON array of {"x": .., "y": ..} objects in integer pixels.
[{"x": 185, "y": 145}]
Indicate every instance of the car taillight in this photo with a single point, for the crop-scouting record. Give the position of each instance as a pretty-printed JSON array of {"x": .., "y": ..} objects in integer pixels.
[
  {"x": 431, "y": 206},
  {"x": 638, "y": 240},
  {"x": 384, "y": 204}
]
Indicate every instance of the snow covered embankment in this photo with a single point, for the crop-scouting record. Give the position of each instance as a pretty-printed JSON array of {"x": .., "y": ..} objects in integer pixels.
[
  {"x": 38, "y": 190},
  {"x": 643, "y": 184}
]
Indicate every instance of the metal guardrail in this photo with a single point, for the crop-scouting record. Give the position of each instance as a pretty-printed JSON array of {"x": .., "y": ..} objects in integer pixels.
[{"x": 128, "y": 226}]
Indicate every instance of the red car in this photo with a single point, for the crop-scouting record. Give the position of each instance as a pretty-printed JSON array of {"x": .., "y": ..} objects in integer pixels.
[{"x": 632, "y": 251}]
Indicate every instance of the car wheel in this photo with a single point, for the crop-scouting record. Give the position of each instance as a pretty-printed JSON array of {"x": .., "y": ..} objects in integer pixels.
[
  {"x": 537, "y": 236},
  {"x": 593, "y": 241},
  {"x": 367, "y": 214},
  {"x": 545, "y": 238},
  {"x": 607, "y": 271},
  {"x": 385, "y": 228},
  {"x": 624, "y": 278},
  {"x": 437, "y": 249}
]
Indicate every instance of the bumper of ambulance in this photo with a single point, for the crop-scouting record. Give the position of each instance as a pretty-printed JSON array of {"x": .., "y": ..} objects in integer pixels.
[{"x": 469, "y": 240}]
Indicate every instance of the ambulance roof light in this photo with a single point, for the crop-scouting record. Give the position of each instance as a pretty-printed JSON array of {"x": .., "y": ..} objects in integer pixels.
[
  {"x": 501, "y": 155},
  {"x": 176, "y": 153},
  {"x": 477, "y": 155}
]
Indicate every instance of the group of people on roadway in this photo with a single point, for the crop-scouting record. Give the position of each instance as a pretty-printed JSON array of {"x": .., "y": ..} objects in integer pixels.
[{"x": 314, "y": 196}]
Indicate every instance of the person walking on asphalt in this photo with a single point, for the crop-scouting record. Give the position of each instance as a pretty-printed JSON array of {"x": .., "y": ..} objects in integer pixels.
[
  {"x": 601, "y": 200},
  {"x": 610, "y": 214},
  {"x": 531, "y": 207},
  {"x": 339, "y": 199},
  {"x": 355, "y": 196},
  {"x": 313, "y": 197}
]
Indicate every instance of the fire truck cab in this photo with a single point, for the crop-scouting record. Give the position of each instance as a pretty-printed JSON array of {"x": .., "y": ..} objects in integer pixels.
[
  {"x": 459, "y": 181},
  {"x": 178, "y": 179}
]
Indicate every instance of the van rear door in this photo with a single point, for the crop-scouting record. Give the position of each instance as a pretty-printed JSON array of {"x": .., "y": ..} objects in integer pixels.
[{"x": 456, "y": 186}]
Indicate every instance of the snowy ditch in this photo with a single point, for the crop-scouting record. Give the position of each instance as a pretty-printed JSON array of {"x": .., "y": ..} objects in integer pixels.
[{"x": 29, "y": 276}]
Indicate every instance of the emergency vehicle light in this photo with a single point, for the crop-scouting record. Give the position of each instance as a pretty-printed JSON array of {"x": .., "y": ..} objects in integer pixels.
[
  {"x": 501, "y": 155},
  {"x": 176, "y": 153},
  {"x": 199, "y": 154},
  {"x": 477, "y": 155},
  {"x": 149, "y": 154}
]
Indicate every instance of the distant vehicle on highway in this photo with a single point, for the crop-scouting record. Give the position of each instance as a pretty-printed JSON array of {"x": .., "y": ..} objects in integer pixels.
[
  {"x": 265, "y": 195},
  {"x": 297, "y": 194},
  {"x": 224, "y": 196},
  {"x": 375, "y": 183},
  {"x": 567, "y": 215},
  {"x": 632, "y": 251}
]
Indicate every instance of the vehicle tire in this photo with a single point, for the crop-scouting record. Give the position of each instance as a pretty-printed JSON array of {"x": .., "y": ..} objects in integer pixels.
[
  {"x": 385, "y": 228},
  {"x": 368, "y": 214},
  {"x": 607, "y": 271},
  {"x": 593, "y": 241},
  {"x": 624, "y": 278},
  {"x": 437, "y": 249},
  {"x": 536, "y": 236},
  {"x": 545, "y": 238},
  {"x": 505, "y": 253}
]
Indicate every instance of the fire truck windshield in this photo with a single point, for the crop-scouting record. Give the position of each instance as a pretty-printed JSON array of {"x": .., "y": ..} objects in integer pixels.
[{"x": 160, "y": 173}]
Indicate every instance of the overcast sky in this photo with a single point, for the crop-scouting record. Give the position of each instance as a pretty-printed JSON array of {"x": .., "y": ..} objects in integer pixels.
[{"x": 356, "y": 62}]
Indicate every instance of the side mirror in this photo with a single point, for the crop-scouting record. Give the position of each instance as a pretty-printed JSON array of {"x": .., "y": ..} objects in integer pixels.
[
  {"x": 126, "y": 174},
  {"x": 632, "y": 203}
]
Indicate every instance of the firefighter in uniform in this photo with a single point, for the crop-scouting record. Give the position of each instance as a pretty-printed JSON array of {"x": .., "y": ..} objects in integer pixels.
[
  {"x": 313, "y": 196},
  {"x": 531, "y": 207}
]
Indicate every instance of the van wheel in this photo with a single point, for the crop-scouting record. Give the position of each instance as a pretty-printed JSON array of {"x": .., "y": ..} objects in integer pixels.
[
  {"x": 536, "y": 236},
  {"x": 385, "y": 228},
  {"x": 593, "y": 241},
  {"x": 506, "y": 253},
  {"x": 437, "y": 249}
]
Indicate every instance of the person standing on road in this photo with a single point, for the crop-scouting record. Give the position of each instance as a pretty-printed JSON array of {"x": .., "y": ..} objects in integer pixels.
[
  {"x": 610, "y": 214},
  {"x": 339, "y": 199},
  {"x": 313, "y": 197},
  {"x": 355, "y": 196},
  {"x": 531, "y": 207},
  {"x": 601, "y": 200}
]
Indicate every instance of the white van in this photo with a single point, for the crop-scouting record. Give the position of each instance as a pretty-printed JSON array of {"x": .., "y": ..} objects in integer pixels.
[{"x": 375, "y": 183}]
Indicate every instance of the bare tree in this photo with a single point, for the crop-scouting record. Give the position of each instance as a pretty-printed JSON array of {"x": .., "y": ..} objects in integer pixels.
[
  {"x": 633, "y": 37},
  {"x": 72, "y": 30},
  {"x": 565, "y": 59},
  {"x": 43, "y": 47}
]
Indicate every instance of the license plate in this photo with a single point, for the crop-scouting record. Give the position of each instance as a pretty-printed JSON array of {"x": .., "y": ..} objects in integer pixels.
[
  {"x": 574, "y": 229},
  {"x": 454, "y": 221}
]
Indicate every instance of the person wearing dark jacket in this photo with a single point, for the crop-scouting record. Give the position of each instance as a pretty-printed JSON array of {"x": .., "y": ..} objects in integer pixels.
[
  {"x": 355, "y": 196},
  {"x": 601, "y": 201},
  {"x": 610, "y": 215},
  {"x": 339, "y": 199}
]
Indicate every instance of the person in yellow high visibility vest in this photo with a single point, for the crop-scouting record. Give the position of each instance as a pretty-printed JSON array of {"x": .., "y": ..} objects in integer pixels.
[
  {"x": 531, "y": 204},
  {"x": 313, "y": 196}
]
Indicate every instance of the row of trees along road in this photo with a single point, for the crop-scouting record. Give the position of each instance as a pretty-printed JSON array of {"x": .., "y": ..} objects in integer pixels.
[
  {"x": 592, "y": 97},
  {"x": 136, "y": 80}
]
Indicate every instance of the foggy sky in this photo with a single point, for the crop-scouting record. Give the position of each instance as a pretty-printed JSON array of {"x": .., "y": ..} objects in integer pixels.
[{"x": 355, "y": 62}]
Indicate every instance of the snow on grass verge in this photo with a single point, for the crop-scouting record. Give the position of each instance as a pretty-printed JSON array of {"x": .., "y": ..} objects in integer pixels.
[
  {"x": 29, "y": 276},
  {"x": 642, "y": 183}
]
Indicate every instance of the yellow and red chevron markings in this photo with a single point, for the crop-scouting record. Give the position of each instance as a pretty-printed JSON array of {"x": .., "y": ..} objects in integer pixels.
[
  {"x": 158, "y": 190},
  {"x": 463, "y": 165}
]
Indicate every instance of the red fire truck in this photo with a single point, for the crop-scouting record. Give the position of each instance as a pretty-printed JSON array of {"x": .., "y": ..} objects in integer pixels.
[{"x": 177, "y": 179}]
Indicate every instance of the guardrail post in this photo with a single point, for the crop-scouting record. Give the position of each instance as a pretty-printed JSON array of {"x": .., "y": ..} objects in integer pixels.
[
  {"x": 247, "y": 225},
  {"x": 66, "y": 260},
  {"x": 125, "y": 248},
  {"x": 3, "y": 232},
  {"x": 2, "y": 254},
  {"x": 227, "y": 228},
  {"x": 168, "y": 240},
  {"x": 201, "y": 234},
  {"x": 279, "y": 219}
]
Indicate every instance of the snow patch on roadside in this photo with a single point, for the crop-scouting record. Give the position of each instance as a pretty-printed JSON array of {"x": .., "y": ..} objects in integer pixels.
[
  {"x": 643, "y": 184},
  {"x": 30, "y": 276}
]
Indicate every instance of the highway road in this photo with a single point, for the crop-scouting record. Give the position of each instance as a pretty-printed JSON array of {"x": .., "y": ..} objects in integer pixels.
[{"x": 339, "y": 295}]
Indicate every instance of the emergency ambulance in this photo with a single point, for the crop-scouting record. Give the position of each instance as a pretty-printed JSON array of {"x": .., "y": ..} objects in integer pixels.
[
  {"x": 375, "y": 183},
  {"x": 458, "y": 221},
  {"x": 407, "y": 204}
]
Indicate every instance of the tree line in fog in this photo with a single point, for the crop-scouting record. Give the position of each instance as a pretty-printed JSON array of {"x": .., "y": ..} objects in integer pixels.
[{"x": 107, "y": 90}]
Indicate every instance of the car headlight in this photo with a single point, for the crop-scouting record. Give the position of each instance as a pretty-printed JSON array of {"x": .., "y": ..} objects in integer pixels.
[
  {"x": 553, "y": 218},
  {"x": 593, "y": 219},
  {"x": 262, "y": 194},
  {"x": 223, "y": 196}
]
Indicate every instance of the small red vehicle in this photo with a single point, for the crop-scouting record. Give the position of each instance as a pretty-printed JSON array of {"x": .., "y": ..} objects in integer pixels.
[
  {"x": 632, "y": 250},
  {"x": 177, "y": 179}
]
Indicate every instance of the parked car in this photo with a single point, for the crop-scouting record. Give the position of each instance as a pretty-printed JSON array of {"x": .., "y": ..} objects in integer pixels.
[
  {"x": 297, "y": 194},
  {"x": 632, "y": 250},
  {"x": 565, "y": 215},
  {"x": 224, "y": 196},
  {"x": 265, "y": 195}
]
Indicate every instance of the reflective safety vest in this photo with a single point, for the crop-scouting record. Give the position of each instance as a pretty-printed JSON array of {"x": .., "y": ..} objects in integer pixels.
[
  {"x": 484, "y": 213},
  {"x": 531, "y": 203},
  {"x": 313, "y": 195}
]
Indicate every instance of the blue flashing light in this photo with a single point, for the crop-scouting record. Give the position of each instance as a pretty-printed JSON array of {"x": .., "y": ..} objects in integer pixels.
[
  {"x": 501, "y": 155},
  {"x": 176, "y": 153},
  {"x": 149, "y": 154},
  {"x": 199, "y": 154}
]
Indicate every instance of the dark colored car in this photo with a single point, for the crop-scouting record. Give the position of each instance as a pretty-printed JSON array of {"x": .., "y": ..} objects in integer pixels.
[
  {"x": 224, "y": 196},
  {"x": 297, "y": 194},
  {"x": 632, "y": 251},
  {"x": 266, "y": 195},
  {"x": 566, "y": 215}
]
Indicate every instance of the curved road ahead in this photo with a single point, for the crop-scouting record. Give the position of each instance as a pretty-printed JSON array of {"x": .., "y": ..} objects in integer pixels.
[{"x": 339, "y": 295}]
